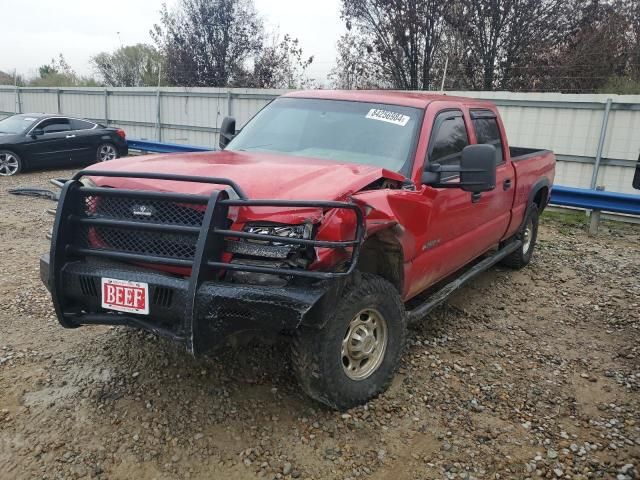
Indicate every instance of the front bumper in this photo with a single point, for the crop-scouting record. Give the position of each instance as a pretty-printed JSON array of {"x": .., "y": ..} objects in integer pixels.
[{"x": 220, "y": 309}]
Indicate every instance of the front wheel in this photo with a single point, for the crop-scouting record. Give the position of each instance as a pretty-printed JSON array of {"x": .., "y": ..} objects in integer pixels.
[
  {"x": 106, "y": 152},
  {"x": 10, "y": 163},
  {"x": 353, "y": 358}
]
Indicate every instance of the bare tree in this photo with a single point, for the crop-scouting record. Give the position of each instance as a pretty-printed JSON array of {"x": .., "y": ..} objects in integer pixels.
[
  {"x": 280, "y": 65},
  {"x": 404, "y": 36},
  {"x": 222, "y": 43},
  {"x": 597, "y": 49},
  {"x": 358, "y": 65},
  {"x": 499, "y": 38},
  {"x": 208, "y": 42}
]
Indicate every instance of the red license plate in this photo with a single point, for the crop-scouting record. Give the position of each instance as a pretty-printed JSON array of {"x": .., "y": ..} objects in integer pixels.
[{"x": 125, "y": 296}]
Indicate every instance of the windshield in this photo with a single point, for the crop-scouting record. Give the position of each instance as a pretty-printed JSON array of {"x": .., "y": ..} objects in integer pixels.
[
  {"x": 355, "y": 132},
  {"x": 16, "y": 123}
]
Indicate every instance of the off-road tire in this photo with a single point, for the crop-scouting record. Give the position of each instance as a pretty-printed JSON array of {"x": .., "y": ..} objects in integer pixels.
[
  {"x": 316, "y": 353},
  {"x": 522, "y": 256}
]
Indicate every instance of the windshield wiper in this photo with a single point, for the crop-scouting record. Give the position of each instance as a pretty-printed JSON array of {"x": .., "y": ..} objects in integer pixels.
[{"x": 254, "y": 146}]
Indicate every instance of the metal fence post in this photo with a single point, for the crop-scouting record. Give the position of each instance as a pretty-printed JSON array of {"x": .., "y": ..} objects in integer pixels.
[
  {"x": 158, "y": 117},
  {"x": 603, "y": 136},
  {"x": 18, "y": 103},
  {"x": 594, "y": 222},
  {"x": 59, "y": 110},
  {"x": 229, "y": 103},
  {"x": 106, "y": 107}
]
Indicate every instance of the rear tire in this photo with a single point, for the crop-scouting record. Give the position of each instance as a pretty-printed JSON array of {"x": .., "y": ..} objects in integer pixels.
[
  {"x": 106, "y": 152},
  {"x": 528, "y": 234},
  {"x": 353, "y": 358},
  {"x": 10, "y": 163}
]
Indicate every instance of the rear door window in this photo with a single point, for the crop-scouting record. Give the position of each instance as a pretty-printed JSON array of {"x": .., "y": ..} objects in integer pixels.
[{"x": 487, "y": 131}]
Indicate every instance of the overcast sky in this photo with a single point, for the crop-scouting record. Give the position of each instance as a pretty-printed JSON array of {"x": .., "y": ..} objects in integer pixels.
[{"x": 35, "y": 31}]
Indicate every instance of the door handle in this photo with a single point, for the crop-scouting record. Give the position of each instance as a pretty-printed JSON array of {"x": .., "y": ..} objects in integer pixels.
[
  {"x": 475, "y": 197},
  {"x": 70, "y": 136},
  {"x": 506, "y": 185}
]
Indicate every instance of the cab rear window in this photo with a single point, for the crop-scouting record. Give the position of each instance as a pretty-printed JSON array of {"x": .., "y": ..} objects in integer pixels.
[{"x": 488, "y": 132}]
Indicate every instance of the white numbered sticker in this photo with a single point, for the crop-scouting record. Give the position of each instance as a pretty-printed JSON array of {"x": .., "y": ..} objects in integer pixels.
[{"x": 388, "y": 116}]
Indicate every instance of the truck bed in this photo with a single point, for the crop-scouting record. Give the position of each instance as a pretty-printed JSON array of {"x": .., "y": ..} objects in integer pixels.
[
  {"x": 523, "y": 153},
  {"x": 537, "y": 170}
]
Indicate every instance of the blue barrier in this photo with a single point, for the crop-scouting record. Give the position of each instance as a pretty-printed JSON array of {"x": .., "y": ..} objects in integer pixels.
[
  {"x": 563, "y": 196},
  {"x": 161, "y": 147},
  {"x": 596, "y": 200}
]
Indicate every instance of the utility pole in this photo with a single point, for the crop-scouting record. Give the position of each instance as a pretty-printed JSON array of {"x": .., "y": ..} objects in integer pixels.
[
  {"x": 158, "y": 112},
  {"x": 444, "y": 75},
  {"x": 17, "y": 106}
]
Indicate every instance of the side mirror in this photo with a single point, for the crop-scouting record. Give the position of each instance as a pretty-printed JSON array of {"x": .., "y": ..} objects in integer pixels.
[
  {"x": 636, "y": 177},
  {"x": 478, "y": 168},
  {"x": 37, "y": 132},
  {"x": 227, "y": 131}
]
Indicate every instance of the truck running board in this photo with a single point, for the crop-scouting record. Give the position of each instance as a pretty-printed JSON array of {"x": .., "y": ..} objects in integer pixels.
[{"x": 418, "y": 313}]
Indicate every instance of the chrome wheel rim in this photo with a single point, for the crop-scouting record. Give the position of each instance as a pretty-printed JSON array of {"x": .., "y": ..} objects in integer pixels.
[
  {"x": 364, "y": 344},
  {"x": 8, "y": 164},
  {"x": 527, "y": 236},
  {"x": 106, "y": 152}
]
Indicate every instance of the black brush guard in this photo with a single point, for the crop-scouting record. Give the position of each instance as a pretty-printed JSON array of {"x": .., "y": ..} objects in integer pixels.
[{"x": 200, "y": 310}]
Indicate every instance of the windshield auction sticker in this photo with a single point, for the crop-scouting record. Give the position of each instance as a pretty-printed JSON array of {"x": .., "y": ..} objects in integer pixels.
[{"x": 389, "y": 117}]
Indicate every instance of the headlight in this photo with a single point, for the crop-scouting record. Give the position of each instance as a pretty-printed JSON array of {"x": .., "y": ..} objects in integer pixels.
[{"x": 284, "y": 231}]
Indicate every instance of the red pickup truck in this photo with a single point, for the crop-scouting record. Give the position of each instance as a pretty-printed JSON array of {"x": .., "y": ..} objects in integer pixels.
[{"x": 332, "y": 219}]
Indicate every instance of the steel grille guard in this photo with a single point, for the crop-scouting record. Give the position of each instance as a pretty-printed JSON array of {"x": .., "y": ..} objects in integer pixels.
[{"x": 207, "y": 262}]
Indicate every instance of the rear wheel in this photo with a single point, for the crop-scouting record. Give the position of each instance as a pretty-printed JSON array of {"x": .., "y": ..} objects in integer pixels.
[
  {"x": 106, "y": 152},
  {"x": 354, "y": 356},
  {"x": 528, "y": 234},
  {"x": 10, "y": 163}
]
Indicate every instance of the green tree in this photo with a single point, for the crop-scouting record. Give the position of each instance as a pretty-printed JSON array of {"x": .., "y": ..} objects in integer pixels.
[
  {"x": 130, "y": 66},
  {"x": 59, "y": 73}
]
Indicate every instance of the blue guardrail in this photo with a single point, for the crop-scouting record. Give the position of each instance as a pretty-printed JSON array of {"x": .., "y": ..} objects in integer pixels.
[
  {"x": 596, "y": 200},
  {"x": 562, "y": 196},
  {"x": 160, "y": 147}
]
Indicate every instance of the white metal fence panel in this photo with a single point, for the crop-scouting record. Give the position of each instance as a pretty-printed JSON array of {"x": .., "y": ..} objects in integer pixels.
[
  {"x": 7, "y": 101},
  {"x": 570, "y": 125}
]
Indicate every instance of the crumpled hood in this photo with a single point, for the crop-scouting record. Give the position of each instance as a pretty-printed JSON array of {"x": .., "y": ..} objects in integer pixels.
[{"x": 260, "y": 175}]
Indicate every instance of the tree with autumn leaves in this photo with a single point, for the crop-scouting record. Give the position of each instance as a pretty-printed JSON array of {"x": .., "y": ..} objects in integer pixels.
[{"x": 577, "y": 46}]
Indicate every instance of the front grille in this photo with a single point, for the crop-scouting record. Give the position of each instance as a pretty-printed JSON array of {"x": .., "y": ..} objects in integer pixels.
[
  {"x": 171, "y": 245},
  {"x": 151, "y": 211}
]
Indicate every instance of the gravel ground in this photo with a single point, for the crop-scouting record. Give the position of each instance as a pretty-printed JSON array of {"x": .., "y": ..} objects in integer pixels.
[{"x": 523, "y": 374}]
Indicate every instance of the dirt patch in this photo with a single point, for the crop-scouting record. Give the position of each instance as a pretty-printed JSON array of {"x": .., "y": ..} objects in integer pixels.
[{"x": 530, "y": 373}]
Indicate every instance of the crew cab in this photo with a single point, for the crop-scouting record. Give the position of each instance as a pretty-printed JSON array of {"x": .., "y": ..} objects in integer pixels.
[{"x": 332, "y": 219}]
